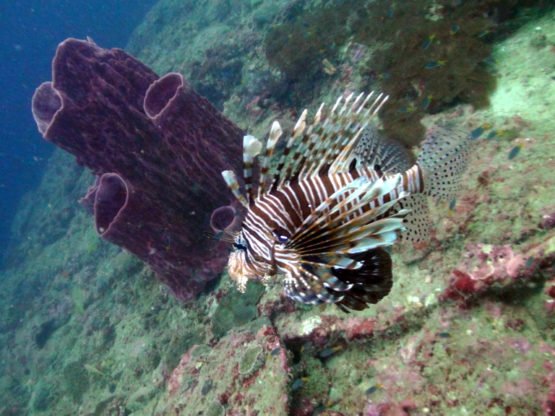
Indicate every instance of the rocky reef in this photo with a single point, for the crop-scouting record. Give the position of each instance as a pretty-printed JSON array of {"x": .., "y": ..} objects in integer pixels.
[{"x": 467, "y": 328}]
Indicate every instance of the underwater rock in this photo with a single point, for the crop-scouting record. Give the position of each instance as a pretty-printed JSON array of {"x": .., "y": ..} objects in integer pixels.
[
  {"x": 251, "y": 380},
  {"x": 236, "y": 309},
  {"x": 76, "y": 380},
  {"x": 253, "y": 359},
  {"x": 157, "y": 148}
]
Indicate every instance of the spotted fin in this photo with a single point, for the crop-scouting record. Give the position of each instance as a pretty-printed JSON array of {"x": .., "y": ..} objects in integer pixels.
[
  {"x": 443, "y": 159},
  {"x": 374, "y": 150},
  {"x": 417, "y": 223}
]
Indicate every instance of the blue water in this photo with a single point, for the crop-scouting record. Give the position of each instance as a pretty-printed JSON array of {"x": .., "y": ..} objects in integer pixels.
[{"x": 30, "y": 30}]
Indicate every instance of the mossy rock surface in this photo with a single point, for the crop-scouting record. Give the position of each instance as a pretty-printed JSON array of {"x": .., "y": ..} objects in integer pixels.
[
  {"x": 76, "y": 380},
  {"x": 252, "y": 360},
  {"x": 236, "y": 309}
]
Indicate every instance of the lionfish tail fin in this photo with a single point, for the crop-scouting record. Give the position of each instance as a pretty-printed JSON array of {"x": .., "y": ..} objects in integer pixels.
[{"x": 443, "y": 160}]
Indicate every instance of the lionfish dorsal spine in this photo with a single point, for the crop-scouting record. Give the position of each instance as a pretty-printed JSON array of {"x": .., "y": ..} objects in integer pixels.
[
  {"x": 233, "y": 184},
  {"x": 296, "y": 159},
  {"x": 251, "y": 149},
  {"x": 273, "y": 138},
  {"x": 326, "y": 144}
]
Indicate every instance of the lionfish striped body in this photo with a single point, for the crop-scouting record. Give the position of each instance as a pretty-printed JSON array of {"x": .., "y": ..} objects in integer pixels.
[{"x": 337, "y": 198}]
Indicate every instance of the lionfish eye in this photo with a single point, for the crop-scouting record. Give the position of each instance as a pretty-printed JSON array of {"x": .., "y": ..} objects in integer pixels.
[
  {"x": 240, "y": 246},
  {"x": 281, "y": 236},
  {"x": 240, "y": 243}
]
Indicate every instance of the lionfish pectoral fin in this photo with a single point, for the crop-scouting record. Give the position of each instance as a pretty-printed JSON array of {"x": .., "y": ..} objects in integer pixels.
[
  {"x": 369, "y": 284},
  {"x": 307, "y": 287},
  {"x": 343, "y": 226},
  {"x": 350, "y": 282}
]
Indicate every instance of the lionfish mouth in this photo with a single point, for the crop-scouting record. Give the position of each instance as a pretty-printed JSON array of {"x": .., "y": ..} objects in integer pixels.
[{"x": 236, "y": 269}]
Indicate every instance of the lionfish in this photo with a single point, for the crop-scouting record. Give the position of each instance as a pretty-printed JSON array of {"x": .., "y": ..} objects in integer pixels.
[{"x": 325, "y": 211}]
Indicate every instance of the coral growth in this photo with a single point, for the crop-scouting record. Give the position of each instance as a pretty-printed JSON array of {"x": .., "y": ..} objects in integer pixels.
[
  {"x": 157, "y": 149},
  {"x": 76, "y": 380},
  {"x": 426, "y": 55},
  {"x": 251, "y": 361},
  {"x": 486, "y": 266}
]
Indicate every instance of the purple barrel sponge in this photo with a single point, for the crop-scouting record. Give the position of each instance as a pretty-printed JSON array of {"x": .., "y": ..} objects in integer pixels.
[{"x": 157, "y": 148}]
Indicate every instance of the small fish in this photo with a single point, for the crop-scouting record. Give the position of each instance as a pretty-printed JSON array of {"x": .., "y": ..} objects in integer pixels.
[
  {"x": 390, "y": 12},
  {"x": 409, "y": 108},
  {"x": 428, "y": 41},
  {"x": 514, "y": 151},
  {"x": 328, "y": 67},
  {"x": 452, "y": 204},
  {"x": 444, "y": 335},
  {"x": 327, "y": 207},
  {"x": 426, "y": 102},
  {"x": 477, "y": 132},
  {"x": 328, "y": 352},
  {"x": 92, "y": 369},
  {"x": 372, "y": 389},
  {"x": 297, "y": 384},
  {"x": 275, "y": 351},
  {"x": 454, "y": 29},
  {"x": 491, "y": 134},
  {"x": 435, "y": 64}
]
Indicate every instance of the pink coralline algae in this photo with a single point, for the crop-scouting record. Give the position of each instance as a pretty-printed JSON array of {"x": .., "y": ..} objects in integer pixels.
[
  {"x": 483, "y": 266},
  {"x": 157, "y": 149},
  {"x": 486, "y": 265},
  {"x": 549, "y": 402}
]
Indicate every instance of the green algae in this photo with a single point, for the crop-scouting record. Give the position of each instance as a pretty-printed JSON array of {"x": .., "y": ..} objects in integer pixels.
[
  {"x": 428, "y": 56},
  {"x": 251, "y": 361},
  {"x": 215, "y": 409},
  {"x": 76, "y": 380},
  {"x": 236, "y": 309},
  {"x": 311, "y": 380},
  {"x": 42, "y": 397}
]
